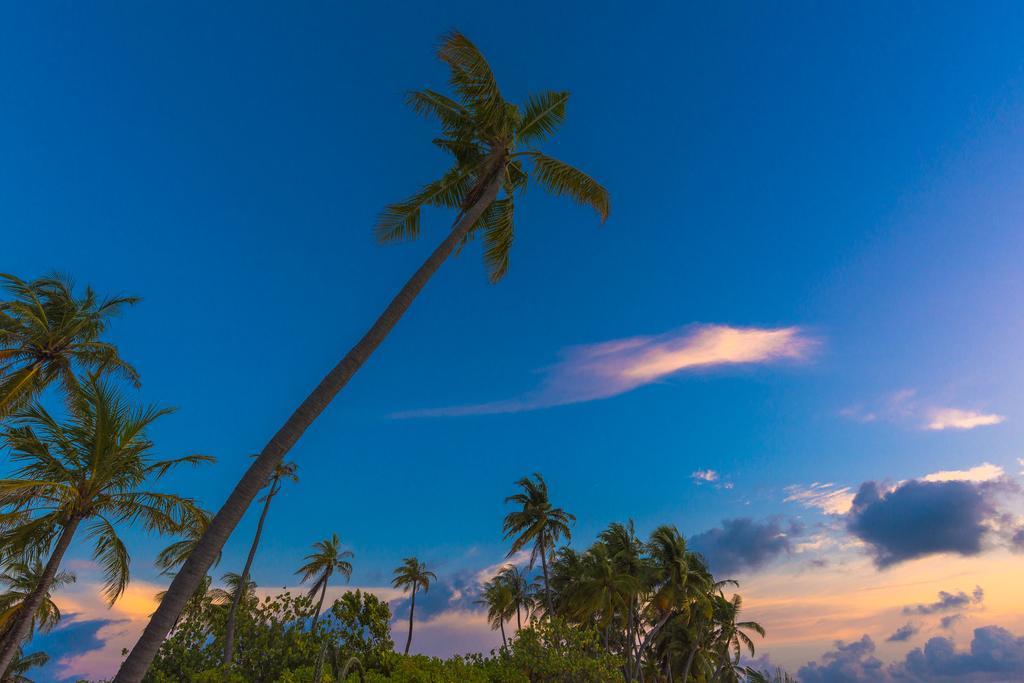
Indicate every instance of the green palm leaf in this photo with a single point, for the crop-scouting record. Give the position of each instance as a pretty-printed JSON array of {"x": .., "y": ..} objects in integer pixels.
[
  {"x": 541, "y": 116},
  {"x": 562, "y": 179}
]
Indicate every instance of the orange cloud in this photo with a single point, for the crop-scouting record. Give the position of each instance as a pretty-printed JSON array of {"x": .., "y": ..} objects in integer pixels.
[{"x": 607, "y": 369}]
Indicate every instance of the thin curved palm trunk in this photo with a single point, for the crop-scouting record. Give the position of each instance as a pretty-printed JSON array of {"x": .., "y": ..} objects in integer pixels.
[
  {"x": 637, "y": 670},
  {"x": 501, "y": 624},
  {"x": 187, "y": 580},
  {"x": 229, "y": 628},
  {"x": 412, "y": 609},
  {"x": 319, "y": 605},
  {"x": 689, "y": 663},
  {"x": 23, "y": 622}
]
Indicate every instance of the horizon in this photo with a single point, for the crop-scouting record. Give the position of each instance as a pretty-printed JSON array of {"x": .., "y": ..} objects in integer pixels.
[{"x": 796, "y": 326}]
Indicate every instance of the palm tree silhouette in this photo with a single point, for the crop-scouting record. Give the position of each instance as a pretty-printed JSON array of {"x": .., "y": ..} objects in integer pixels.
[
  {"x": 537, "y": 522},
  {"x": 327, "y": 557},
  {"x": 411, "y": 576}
]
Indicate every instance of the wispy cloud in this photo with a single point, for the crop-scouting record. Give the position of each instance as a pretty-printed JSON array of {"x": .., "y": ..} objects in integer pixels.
[
  {"x": 905, "y": 406},
  {"x": 827, "y": 497},
  {"x": 956, "y": 418},
  {"x": 607, "y": 369}
]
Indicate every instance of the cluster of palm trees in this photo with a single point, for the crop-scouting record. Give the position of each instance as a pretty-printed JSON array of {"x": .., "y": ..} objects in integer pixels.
[
  {"x": 87, "y": 471},
  {"x": 83, "y": 472},
  {"x": 654, "y": 603}
]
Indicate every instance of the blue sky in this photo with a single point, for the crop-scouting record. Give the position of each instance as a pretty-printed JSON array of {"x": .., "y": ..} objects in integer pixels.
[{"x": 852, "y": 172}]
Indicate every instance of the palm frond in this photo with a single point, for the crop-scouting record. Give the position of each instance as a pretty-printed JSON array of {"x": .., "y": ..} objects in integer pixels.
[
  {"x": 401, "y": 221},
  {"x": 161, "y": 467},
  {"x": 452, "y": 115},
  {"x": 471, "y": 77},
  {"x": 562, "y": 179},
  {"x": 498, "y": 229},
  {"x": 112, "y": 555},
  {"x": 541, "y": 116}
]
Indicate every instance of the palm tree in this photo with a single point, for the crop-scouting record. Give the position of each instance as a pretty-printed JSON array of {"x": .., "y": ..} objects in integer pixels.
[
  {"x": 327, "y": 557},
  {"x": 497, "y": 597},
  {"x": 605, "y": 590},
  {"x": 46, "y": 334},
  {"x": 489, "y": 139},
  {"x": 680, "y": 581},
  {"x": 411, "y": 576},
  {"x": 232, "y": 592},
  {"x": 89, "y": 469},
  {"x": 519, "y": 586},
  {"x": 21, "y": 577},
  {"x": 627, "y": 555},
  {"x": 731, "y": 633},
  {"x": 21, "y": 664},
  {"x": 284, "y": 470},
  {"x": 538, "y": 523}
]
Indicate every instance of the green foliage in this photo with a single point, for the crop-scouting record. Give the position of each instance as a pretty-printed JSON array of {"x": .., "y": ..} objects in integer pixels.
[
  {"x": 274, "y": 641},
  {"x": 361, "y": 624}
]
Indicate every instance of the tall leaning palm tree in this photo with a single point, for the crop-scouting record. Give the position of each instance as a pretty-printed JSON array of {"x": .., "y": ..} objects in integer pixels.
[
  {"x": 327, "y": 557},
  {"x": 493, "y": 144},
  {"x": 537, "y": 523},
  {"x": 20, "y": 578},
  {"x": 47, "y": 334},
  {"x": 91, "y": 469},
  {"x": 283, "y": 471},
  {"x": 412, "y": 575}
]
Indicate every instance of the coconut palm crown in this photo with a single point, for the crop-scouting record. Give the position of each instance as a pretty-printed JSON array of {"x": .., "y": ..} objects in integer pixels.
[
  {"x": 327, "y": 557},
  {"x": 47, "y": 334},
  {"x": 412, "y": 575},
  {"x": 90, "y": 469},
  {"x": 489, "y": 139},
  {"x": 21, "y": 578}
]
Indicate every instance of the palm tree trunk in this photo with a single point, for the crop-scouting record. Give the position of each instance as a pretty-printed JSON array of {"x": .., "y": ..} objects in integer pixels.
[
  {"x": 689, "y": 663},
  {"x": 23, "y": 621},
  {"x": 501, "y": 625},
  {"x": 255, "y": 478},
  {"x": 544, "y": 567},
  {"x": 319, "y": 606},
  {"x": 649, "y": 638},
  {"x": 519, "y": 619},
  {"x": 412, "y": 608},
  {"x": 630, "y": 640},
  {"x": 229, "y": 627}
]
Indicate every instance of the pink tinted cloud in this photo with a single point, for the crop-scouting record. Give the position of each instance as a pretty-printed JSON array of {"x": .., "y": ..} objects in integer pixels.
[{"x": 595, "y": 371}]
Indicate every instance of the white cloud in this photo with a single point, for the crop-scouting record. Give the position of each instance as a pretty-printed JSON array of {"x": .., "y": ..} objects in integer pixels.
[
  {"x": 828, "y": 498},
  {"x": 983, "y": 472},
  {"x": 956, "y": 418},
  {"x": 704, "y": 475}
]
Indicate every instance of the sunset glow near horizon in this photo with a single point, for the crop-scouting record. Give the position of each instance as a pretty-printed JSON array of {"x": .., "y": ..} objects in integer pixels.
[{"x": 797, "y": 337}]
